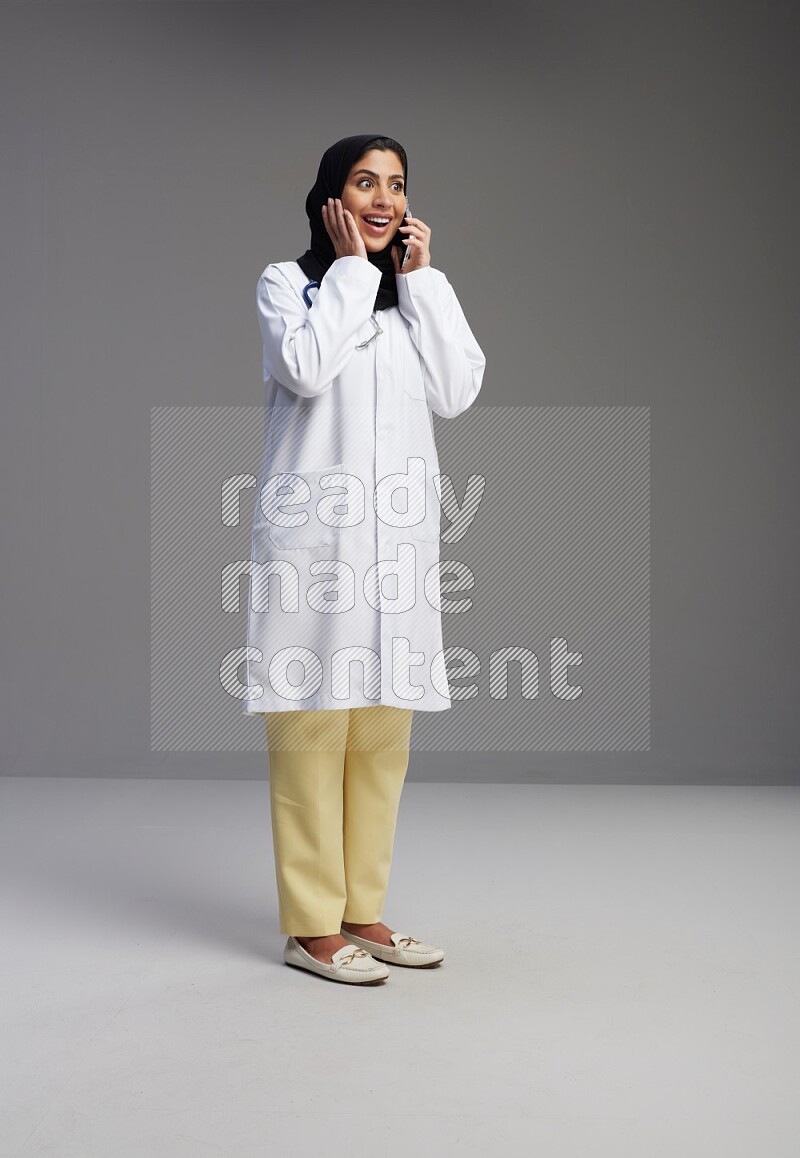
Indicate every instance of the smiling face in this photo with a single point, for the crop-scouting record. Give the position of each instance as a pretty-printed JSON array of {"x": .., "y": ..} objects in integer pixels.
[{"x": 375, "y": 188}]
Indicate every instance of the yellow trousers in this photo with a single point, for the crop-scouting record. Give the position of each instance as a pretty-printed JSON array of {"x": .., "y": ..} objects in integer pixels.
[{"x": 335, "y": 781}]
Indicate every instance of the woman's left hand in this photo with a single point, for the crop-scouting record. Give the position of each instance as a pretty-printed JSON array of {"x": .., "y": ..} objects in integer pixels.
[{"x": 419, "y": 242}]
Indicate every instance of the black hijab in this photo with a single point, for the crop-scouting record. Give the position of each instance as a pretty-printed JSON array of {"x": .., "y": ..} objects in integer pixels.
[{"x": 336, "y": 163}]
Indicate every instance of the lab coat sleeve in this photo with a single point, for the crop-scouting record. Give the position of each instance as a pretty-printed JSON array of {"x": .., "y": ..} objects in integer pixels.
[
  {"x": 453, "y": 362},
  {"x": 306, "y": 348}
]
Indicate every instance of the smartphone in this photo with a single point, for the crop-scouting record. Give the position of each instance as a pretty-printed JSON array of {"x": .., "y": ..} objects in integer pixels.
[{"x": 405, "y": 249}]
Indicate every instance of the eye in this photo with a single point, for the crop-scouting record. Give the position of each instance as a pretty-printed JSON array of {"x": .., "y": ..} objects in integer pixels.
[{"x": 398, "y": 185}]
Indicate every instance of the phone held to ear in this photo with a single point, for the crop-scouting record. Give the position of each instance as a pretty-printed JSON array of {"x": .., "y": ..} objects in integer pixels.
[{"x": 404, "y": 249}]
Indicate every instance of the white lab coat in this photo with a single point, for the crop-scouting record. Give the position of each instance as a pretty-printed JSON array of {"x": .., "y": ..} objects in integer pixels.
[{"x": 344, "y": 600}]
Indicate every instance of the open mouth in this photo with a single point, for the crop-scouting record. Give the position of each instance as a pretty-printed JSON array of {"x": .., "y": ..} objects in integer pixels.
[{"x": 377, "y": 224}]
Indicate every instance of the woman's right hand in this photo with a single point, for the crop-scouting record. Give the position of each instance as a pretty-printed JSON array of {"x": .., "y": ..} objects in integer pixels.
[{"x": 342, "y": 230}]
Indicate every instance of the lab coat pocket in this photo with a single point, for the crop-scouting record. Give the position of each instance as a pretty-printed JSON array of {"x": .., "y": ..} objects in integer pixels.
[
  {"x": 412, "y": 372},
  {"x": 299, "y": 507}
]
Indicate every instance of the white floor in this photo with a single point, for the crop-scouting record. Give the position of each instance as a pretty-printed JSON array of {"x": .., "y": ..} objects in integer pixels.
[{"x": 621, "y": 978}]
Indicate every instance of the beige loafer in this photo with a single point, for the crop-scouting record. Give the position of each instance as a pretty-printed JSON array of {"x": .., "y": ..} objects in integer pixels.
[
  {"x": 404, "y": 950},
  {"x": 351, "y": 963}
]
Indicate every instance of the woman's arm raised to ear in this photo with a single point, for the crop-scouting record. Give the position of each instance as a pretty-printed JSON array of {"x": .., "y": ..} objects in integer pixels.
[
  {"x": 305, "y": 349},
  {"x": 452, "y": 361}
]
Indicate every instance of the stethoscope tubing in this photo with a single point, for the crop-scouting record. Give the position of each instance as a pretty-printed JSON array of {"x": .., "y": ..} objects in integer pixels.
[{"x": 307, "y": 299}]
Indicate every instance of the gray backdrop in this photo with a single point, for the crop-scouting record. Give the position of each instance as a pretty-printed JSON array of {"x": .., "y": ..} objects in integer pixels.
[{"x": 612, "y": 190}]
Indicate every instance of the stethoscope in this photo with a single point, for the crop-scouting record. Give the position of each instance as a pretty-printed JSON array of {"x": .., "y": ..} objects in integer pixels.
[
  {"x": 306, "y": 294},
  {"x": 361, "y": 345}
]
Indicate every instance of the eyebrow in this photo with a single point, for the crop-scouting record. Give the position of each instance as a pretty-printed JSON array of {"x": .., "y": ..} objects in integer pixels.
[{"x": 393, "y": 177}]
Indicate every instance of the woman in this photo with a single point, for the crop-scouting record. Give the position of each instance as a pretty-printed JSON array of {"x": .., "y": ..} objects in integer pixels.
[{"x": 344, "y": 626}]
